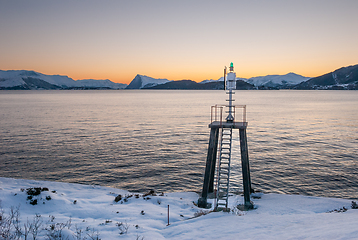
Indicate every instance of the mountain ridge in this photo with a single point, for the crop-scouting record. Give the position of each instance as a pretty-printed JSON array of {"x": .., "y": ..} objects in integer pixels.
[
  {"x": 344, "y": 78},
  {"x": 261, "y": 82},
  {"x": 31, "y": 80}
]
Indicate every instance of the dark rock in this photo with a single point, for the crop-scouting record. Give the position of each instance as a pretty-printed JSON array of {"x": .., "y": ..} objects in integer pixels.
[
  {"x": 118, "y": 198},
  {"x": 151, "y": 192},
  {"x": 33, "y": 202}
]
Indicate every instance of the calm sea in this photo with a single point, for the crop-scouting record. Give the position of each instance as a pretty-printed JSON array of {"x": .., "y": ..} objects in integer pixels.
[{"x": 300, "y": 142}]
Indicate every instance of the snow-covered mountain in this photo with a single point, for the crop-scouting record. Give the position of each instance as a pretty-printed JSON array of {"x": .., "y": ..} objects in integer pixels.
[
  {"x": 277, "y": 80},
  {"x": 340, "y": 79},
  {"x": 289, "y": 79},
  {"x": 23, "y": 79},
  {"x": 142, "y": 81}
]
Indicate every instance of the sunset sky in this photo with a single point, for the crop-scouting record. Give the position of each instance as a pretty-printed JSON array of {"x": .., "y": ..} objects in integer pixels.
[{"x": 177, "y": 39}]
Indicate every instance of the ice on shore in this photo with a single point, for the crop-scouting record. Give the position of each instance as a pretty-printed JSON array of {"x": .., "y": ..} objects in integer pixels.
[{"x": 92, "y": 211}]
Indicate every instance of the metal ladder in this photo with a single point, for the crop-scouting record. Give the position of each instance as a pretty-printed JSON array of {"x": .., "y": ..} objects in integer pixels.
[{"x": 223, "y": 174}]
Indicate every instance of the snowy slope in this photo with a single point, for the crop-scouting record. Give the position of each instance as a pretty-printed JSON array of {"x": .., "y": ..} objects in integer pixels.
[
  {"x": 77, "y": 211},
  {"x": 148, "y": 81},
  {"x": 276, "y": 80},
  {"x": 13, "y": 78},
  {"x": 142, "y": 81},
  {"x": 58, "y": 80}
]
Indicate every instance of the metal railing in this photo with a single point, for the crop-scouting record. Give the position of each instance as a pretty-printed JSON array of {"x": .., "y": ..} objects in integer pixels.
[{"x": 217, "y": 114}]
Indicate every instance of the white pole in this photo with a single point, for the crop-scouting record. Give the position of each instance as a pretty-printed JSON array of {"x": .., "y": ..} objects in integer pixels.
[{"x": 231, "y": 85}]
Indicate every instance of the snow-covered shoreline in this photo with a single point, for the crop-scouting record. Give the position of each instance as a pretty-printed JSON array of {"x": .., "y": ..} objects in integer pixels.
[{"x": 92, "y": 211}]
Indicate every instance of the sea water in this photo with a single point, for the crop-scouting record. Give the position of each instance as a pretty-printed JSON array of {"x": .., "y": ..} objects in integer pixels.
[{"x": 300, "y": 142}]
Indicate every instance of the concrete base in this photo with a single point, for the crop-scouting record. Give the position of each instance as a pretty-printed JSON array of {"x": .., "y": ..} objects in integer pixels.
[
  {"x": 222, "y": 209},
  {"x": 203, "y": 203},
  {"x": 246, "y": 206}
]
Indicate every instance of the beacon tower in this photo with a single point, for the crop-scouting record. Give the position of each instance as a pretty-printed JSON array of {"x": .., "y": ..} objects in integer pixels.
[{"x": 224, "y": 119}]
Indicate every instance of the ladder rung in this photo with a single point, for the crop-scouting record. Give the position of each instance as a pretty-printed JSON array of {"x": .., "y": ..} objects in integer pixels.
[
  {"x": 224, "y": 184},
  {"x": 227, "y": 163},
  {"x": 223, "y": 155},
  {"x": 222, "y": 196},
  {"x": 224, "y": 181},
  {"x": 223, "y": 200}
]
